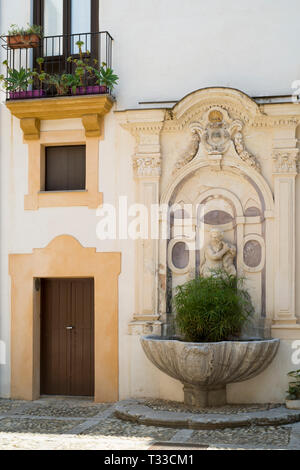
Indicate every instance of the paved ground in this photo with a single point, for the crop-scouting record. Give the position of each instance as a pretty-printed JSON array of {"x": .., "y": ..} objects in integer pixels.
[{"x": 80, "y": 424}]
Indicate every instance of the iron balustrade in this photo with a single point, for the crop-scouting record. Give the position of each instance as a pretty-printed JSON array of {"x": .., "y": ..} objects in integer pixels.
[{"x": 56, "y": 50}]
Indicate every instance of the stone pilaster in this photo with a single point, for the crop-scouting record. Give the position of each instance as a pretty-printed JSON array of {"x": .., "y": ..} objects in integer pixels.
[
  {"x": 147, "y": 172},
  {"x": 285, "y": 158}
]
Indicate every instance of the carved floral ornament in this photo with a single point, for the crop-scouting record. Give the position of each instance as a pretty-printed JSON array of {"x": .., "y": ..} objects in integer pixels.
[
  {"x": 286, "y": 160},
  {"x": 216, "y": 131},
  {"x": 147, "y": 165}
]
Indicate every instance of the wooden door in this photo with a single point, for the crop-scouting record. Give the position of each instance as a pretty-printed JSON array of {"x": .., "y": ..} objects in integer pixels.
[{"x": 67, "y": 337}]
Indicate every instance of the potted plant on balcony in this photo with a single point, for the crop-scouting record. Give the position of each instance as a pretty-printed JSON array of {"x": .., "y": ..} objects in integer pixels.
[
  {"x": 293, "y": 397},
  {"x": 17, "y": 82},
  {"x": 24, "y": 38},
  {"x": 60, "y": 82},
  {"x": 210, "y": 352},
  {"x": 78, "y": 81},
  {"x": 40, "y": 77},
  {"x": 106, "y": 79},
  {"x": 88, "y": 79}
]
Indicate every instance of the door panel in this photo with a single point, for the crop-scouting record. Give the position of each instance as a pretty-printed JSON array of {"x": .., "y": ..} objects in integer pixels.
[
  {"x": 67, "y": 355},
  {"x": 82, "y": 355}
]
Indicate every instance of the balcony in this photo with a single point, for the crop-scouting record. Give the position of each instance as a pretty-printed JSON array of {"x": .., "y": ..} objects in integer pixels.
[
  {"x": 54, "y": 66},
  {"x": 60, "y": 77}
]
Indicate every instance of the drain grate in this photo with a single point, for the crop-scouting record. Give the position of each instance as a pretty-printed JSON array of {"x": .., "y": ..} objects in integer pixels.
[{"x": 177, "y": 446}]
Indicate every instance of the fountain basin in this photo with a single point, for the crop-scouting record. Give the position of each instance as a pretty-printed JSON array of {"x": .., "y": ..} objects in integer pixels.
[{"x": 206, "y": 368}]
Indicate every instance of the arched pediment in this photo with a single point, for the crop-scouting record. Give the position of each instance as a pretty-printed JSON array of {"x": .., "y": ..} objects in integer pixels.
[{"x": 232, "y": 100}]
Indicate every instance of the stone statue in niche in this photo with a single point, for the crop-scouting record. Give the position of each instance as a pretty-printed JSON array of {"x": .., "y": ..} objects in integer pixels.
[{"x": 218, "y": 254}]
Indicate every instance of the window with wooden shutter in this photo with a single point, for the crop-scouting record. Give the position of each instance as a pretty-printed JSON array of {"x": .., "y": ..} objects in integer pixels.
[{"x": 65, "y": 168}]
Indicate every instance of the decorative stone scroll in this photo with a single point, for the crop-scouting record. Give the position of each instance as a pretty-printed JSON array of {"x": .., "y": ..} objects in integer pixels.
[
  {"x": 242, "y": 152},
  {"x": 191, "y": 151}
]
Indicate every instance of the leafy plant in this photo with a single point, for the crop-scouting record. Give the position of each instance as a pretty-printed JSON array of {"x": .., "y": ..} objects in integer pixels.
[
  {"x": 72, "y": 81},
  {"x": 16, "y": 80},
  {"x": 40, "y": 75},
  {"x": 35, "y": 29},
  {"x": 15, "y": 30},
  {"x": 106, "y": 76},
  {"x": 294, "y": 387},
  {"x": 212, "y": 309},
  {"x": 60, "y": 82},
  {"x": 82, "y": 67}
]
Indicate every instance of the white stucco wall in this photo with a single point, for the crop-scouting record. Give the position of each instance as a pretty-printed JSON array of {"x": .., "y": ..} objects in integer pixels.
[{"x": 165, "y": 49}]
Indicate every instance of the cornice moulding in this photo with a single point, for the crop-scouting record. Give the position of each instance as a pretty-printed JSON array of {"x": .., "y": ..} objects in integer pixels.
[
  {"x": 89, "y": 108},
  {"x": 62, "y": 107}
]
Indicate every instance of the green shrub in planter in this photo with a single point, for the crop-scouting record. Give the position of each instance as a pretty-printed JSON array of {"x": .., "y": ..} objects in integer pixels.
[
  {"x": 212, "y": 309},
  {"x": 294, "y": 387}
]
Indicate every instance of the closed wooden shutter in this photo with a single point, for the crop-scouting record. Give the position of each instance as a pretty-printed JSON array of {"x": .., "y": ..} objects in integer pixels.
[{"x": 65, "y": 168}]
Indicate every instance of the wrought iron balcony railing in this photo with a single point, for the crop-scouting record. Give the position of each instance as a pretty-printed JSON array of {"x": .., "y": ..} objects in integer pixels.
[{"x": 57, "y": 65}]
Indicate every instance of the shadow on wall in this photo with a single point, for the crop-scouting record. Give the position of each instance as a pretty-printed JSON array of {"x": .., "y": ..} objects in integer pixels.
[{"x": 2, "y": 353}]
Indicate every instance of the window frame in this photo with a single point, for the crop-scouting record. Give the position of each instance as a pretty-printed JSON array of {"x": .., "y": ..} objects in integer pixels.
[
  {"x": 38, "y": 15},
  {"x": 37, "y": 198}
]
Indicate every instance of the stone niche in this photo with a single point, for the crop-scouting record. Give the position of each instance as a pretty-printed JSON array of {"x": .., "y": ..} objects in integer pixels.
[
  {"x": 216, "y": 186},
  {"x": 218, "y": 200}
]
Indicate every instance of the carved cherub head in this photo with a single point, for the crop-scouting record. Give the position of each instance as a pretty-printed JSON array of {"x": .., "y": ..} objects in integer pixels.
[{"x": 216, "y": 235}]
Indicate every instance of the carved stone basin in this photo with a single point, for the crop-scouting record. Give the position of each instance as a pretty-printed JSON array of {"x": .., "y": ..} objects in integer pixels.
[{"x": 206, "y": 368}]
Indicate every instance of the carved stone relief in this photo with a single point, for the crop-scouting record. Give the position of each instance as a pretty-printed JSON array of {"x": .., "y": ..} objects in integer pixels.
[
  {"x": 149, "y": 165},
  {"x": 218, "y": 255},
  {"x": 285, "y": 160},
  {"x": 216, "y": 131}
]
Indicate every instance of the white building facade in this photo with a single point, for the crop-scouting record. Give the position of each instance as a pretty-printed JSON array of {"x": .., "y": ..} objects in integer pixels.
[{"x": 183, "y": 67}]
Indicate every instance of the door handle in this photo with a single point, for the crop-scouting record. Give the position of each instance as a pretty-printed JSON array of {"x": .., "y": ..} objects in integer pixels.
[{"x": 70, "y": 328}]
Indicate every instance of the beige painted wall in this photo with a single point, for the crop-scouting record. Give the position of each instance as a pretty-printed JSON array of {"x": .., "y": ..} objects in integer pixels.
[{"x": 64, "y": 258}]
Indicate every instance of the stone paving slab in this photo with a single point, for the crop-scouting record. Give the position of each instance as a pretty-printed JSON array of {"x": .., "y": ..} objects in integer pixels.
[
  {"x": 268, "y": 437},
  {"x": 162, "y": 405},
  {"x": 76, "y": 430},
  {"x": 112, "y": 428},
  {"x": 62, "y": 412},
  {"x": 35, "y": 426},
  {"x": 134, "y": 411},
  {"x": 7, "y": 406}
]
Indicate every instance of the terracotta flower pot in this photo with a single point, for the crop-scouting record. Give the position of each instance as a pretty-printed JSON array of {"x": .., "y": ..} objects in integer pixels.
[
  {"x": 98, "y": 89},
  {"x": 21, "y": 95},
  {"x": 39, "y": 93},
  {"x": 103, "y": 89},
  {"x": 82, "y": 90},
  {"x": 23, "y": 42},
  {"x": 14, "y": 95}
]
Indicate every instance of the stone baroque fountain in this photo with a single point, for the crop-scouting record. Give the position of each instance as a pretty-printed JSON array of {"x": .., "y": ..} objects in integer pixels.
[{"x": 206, "y": 368}]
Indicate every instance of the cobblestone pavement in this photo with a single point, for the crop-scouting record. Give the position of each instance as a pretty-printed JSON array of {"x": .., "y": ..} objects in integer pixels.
[{"x": 67, "y": 424}]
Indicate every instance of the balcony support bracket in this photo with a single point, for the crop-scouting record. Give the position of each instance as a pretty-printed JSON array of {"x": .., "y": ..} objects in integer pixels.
[
  {"x": 92, "y": 125},
  {"x": 90, "y": 109},
  {"x": 30, "y": 128}
]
